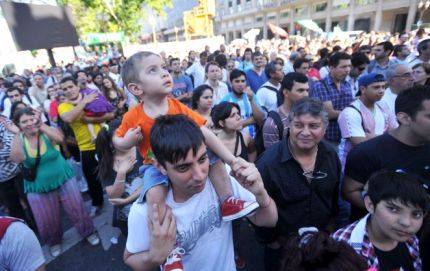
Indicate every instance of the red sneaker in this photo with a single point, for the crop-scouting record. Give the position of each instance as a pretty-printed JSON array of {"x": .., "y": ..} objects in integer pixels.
[
  {"x": 174, "y": 260},
  {"x": 233, "y": 208}
]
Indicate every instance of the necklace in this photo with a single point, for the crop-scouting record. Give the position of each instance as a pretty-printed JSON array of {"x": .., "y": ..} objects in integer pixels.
[{"x": 308, "y": 172}]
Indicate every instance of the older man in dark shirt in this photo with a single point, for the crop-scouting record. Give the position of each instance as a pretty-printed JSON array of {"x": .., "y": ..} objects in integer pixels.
[{"x": 301, "y": 174}]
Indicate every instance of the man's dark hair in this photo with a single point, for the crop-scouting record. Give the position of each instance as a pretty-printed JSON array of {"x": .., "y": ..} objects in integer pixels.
[
  {"x": 423, "y": 45},
  {"x": 389, "y": 185},
  {"x": 255, "y": 54},
  {"x": 221, "y": 112},
  {"x": 236, "y": 73},
  {"x": 324, "y": 52},
  {"x": 397, "y": 49},
  {"x": 336, "y": 58},
  {"x": 75, "y": 75},
  {"x": 203, "y": 54},
  {"x": 291, "y": 77},
  {"x": 221, "y": 59},
  {"x": 173, "y": 59},
  {"x": 173, "y": 136},
  {"x": 67, "y": 79},
  {"x": 299, "y": 61},
  {"x": 358, "y": 59},
  {"x": 270, "y": 68},
  {"x": 11, "y": 89},
  {"x": 410, "y": 101},
  {"x": 388, "y": 46},
  {"x": 288, "y": 83},
  {"x": 19, "y": 80}
]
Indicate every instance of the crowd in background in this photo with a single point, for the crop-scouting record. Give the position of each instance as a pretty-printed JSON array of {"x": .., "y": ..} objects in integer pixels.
[{"x": 303, "y": 109}]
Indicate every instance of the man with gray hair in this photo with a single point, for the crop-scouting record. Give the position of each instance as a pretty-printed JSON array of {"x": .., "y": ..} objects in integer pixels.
[
  {"x": 301, "y": 173},
  {"x": 399, "y": 78}
]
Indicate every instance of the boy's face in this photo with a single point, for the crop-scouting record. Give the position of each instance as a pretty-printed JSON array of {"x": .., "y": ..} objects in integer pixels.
[
  {"x": 154, "y": 78},
  {"x": 238, "y": 84},
  {"x": 393, "y": 220},
  {"x": 188, "y": 176}
]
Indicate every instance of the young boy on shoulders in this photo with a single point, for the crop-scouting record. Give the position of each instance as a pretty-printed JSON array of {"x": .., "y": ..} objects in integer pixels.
[
  {"x": 146, "y": 76},
  {"x": 385, "y": 237}
]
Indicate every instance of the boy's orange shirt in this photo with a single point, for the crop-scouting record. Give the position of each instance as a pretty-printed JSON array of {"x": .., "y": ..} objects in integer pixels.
[{"x": 137, "y": 117}]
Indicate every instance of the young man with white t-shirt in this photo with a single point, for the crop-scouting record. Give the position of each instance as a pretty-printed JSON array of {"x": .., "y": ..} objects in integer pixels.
[
  {"x": 367, "y": 116},
  {"x": 192, "y": 231}
]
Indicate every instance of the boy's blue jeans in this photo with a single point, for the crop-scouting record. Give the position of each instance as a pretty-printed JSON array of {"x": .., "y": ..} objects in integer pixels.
[{"x": 153, "y": 177}]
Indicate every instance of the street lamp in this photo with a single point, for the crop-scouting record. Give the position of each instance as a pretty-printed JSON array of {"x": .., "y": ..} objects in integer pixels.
[
  {"x": 422, "y": 7},
  {"x": 152, "y": 22}
]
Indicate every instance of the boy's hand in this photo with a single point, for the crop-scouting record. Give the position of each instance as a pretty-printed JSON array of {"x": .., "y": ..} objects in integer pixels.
[
  {"x": 163, "y": 233},
  {"x": 247, "y": 175},
  {"x": 134, "y": 135},
  {"x": 118, "y": 201}
]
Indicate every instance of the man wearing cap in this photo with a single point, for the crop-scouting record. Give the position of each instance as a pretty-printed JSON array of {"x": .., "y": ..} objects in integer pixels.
[{"x": 365, "y": 117}]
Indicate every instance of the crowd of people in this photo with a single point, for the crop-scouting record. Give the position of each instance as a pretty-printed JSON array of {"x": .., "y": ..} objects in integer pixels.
[{"x": 322, "y": 145}]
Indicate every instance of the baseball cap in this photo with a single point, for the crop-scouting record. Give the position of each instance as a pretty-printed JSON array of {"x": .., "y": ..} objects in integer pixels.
[{"x": 370, "y": 78}]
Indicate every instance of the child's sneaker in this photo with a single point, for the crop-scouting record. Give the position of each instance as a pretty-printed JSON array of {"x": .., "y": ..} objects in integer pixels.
[
  {"x": 174, "y": 260},
  {"x": 233, "y": 208}
]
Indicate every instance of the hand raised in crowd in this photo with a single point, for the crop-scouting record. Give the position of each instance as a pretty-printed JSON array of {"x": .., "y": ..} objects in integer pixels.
[
  {"x": 38, "y": 116},
  {"x": 126, "y": 164},
  {"x": 9, "y": 125},
  {"x": 163, "y": 233},
  {"x": 249, "y": 93}
]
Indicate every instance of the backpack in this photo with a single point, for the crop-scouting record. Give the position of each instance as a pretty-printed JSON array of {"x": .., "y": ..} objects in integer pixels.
[{"x": 259, "y": 141}]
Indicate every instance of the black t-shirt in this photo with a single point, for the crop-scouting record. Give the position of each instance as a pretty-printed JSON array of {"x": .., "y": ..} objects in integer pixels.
[
  {"x": 395, "y": 259},
  {"x": 385, "y": 152}
]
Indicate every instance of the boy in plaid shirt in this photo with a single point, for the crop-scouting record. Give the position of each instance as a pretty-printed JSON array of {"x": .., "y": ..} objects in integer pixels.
[{"x": 385, "y": 237}]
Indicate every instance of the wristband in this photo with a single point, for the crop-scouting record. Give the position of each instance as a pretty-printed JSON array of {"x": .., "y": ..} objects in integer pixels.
[{"x": 120, "y": 181}]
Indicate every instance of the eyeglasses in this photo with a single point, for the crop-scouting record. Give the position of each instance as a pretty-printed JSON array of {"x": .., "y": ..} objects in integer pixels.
[{"x": 361, "y": 68}]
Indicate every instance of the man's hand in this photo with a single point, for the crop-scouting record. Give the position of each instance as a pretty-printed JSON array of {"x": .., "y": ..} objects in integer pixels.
[
  {"x": 247, "y": 175},
  {"x": 248, "y": 91},
  {"x": 133, "y": 135},
  {"x": 163, "y": 234},
  {"x": 89, "y": 98}
]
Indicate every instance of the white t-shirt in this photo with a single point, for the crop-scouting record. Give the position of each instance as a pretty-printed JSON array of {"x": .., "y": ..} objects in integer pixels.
[
  {"x": 267, "y": 97},
  {"x": 19, "y": 249},
  {"x": 205, "y": 237},
  {"x": 390, "y": 99},
  {"x": 219, "y": 92},
  {"x": 198, "y": 73}
]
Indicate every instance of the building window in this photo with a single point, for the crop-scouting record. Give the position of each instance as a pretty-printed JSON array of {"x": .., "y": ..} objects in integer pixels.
[
  {"x": 230, "y": 4},
  {"x": 319, "y": 7},
  {"x": 285, "y": 14},
  {"x": 271, "y": 18},
  {"x": 238, "y": 2},
  {"x": 300, "y": 11},
  {"x": 259, "y": 19},
  {"x": 364, "y": 2},
  {"x": 341, "y": 6}
]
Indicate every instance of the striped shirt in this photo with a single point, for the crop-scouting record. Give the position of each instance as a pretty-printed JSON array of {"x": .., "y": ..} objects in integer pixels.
[{"x": 8, "y": 169}]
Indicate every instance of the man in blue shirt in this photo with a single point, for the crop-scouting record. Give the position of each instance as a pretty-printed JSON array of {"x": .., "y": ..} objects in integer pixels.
[
  {"x": 182, "y": 85},
  {"x": 256, "y": 76},
  {"x": 241, "y": 94}
]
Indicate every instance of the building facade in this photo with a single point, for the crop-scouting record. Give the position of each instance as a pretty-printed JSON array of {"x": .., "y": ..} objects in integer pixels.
[{"x": 236, "y": 17}]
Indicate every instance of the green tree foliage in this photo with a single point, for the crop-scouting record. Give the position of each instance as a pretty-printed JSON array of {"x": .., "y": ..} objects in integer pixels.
[{"x": 120, "y": 15}]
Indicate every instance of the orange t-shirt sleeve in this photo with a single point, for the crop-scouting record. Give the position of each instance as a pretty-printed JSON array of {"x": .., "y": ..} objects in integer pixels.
[{"x": 128, "y": 121}]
